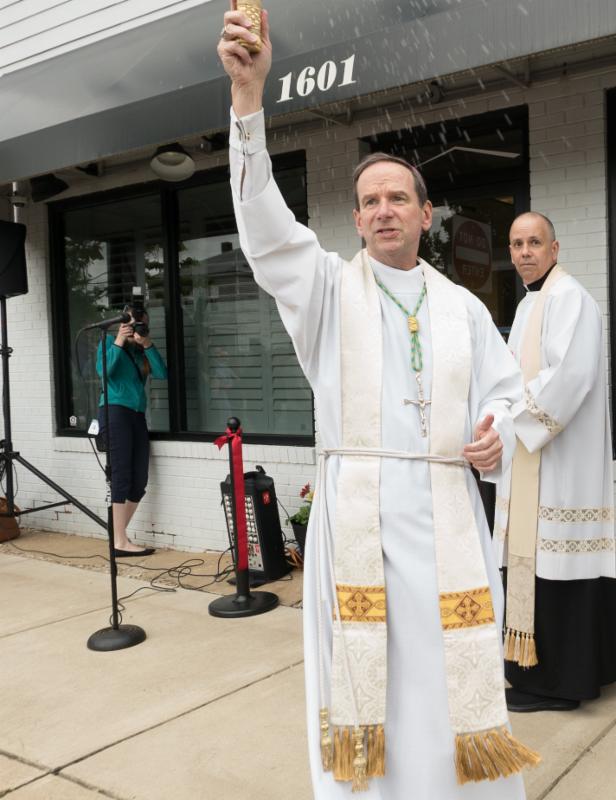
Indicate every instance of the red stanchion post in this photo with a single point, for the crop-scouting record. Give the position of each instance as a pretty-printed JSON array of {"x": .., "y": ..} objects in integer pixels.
[{"x": 243, "y": 603}]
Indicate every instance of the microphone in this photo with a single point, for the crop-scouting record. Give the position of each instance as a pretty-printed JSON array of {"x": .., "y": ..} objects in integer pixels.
[{"x": 107, "y": 323}]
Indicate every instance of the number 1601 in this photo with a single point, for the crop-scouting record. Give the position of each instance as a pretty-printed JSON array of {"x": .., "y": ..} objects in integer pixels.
[{"x": 310, "y": 78}]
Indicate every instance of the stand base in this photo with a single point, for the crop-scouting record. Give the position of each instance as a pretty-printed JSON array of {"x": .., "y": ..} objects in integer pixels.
[
  {"x": 243, "y": 606},
  {"x": 116, "y": 638}
]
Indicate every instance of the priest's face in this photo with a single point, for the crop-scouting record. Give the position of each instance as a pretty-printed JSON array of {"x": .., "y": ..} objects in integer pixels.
[
  {"x": 390, "y": 218},
  {"x": 532, "y": 246}
]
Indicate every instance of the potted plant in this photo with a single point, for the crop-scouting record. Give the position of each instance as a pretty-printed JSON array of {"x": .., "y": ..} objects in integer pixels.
[{"x": 299, "y": 520}]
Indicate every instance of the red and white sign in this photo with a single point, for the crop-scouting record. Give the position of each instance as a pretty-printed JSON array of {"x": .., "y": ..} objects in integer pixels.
[{"x": 472, "y": 253}]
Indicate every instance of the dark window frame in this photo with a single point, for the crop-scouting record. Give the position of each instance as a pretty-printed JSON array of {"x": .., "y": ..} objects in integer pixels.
[
  {"x": 61, "y": 344},
  {"x": 610, "y": 144}
]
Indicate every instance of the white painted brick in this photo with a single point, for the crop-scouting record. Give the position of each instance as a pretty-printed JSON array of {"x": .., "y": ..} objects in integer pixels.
[{"x": 564, "y": 104}]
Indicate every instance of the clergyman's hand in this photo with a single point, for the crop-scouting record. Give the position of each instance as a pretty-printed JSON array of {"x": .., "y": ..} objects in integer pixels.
[
  {"x": 248, "y": 71},
  {"x": 486, "y": 451}
]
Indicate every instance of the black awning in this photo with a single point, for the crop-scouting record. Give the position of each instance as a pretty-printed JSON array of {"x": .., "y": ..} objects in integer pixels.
[{"x": 162, "y": 81}]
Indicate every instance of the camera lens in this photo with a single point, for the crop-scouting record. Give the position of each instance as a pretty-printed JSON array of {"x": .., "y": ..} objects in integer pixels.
[{"x": 141, "y": 328}]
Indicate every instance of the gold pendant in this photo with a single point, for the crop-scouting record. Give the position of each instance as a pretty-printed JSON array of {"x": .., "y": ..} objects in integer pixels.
[{"x": 413, "y": 324}]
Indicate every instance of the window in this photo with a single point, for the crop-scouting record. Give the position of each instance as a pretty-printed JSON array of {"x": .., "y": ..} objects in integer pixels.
[{"x": 221, "y": 335}]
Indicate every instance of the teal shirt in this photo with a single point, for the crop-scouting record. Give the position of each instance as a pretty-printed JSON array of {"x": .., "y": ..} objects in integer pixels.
[{"x": 123, "y": 383}]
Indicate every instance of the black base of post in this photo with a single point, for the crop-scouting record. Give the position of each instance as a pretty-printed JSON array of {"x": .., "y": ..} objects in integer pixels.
[
  {"x": 248, "y": 605},
  {"x": 119, "y": 638}
]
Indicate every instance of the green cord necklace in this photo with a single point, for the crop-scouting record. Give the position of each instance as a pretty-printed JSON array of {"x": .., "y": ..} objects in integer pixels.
[
  {"x": 416, "y": 355},
  {"x": 413, "y": 324}
]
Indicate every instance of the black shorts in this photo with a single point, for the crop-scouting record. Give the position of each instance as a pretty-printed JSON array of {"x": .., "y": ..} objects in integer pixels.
[{"x": 129, "y": 452}]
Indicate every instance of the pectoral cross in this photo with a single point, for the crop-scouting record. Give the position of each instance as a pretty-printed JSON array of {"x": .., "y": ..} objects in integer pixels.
[{"x": 421, "y": 404}]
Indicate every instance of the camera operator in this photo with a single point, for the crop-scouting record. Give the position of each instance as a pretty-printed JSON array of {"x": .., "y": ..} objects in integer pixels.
[{"x": 131, "y": 358}]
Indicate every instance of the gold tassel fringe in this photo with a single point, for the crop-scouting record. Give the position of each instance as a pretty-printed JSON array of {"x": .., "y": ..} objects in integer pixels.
[
  {"x": 343, "y": 755},
  {"x": 358, "y": 754},
  {"x": 521, "y": 648},
  {"x": 376, "y": 751},
  {"x": 491, "y": 754},
  {"x": 360, "y": 781},
  {"x": 327, "y": 750}
]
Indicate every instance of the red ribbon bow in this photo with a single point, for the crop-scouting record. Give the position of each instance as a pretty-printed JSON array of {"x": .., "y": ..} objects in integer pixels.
[{"x": 234, "y": 439}]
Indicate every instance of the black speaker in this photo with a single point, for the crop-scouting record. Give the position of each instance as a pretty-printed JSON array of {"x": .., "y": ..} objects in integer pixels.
[
  {"x": 13, "y": 274},
  {"x": 266, "y": 558}
]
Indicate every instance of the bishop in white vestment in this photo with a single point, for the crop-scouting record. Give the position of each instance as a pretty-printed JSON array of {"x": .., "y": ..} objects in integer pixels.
[
  {"x": 564, "y": 421},
  {"x": 403, "y": 602}
]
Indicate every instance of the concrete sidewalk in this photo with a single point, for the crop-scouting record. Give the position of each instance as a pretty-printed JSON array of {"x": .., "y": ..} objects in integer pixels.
[{"x": 204, "y": 709}]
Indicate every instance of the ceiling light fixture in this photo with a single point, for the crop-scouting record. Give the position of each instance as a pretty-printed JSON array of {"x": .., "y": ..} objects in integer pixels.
[{"x": 172, "y": 163}]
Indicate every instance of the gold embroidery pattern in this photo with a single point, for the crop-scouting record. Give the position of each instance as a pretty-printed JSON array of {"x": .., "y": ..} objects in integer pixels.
[
  {"x": 576, "y": 514},
  {"x": 575, "y": 546},
  {"x": 466, "y": 609},
  {"x": 502, "y": 504},
  {"x": 361, "y": 603},
  {"x": 544, "y": 418}
]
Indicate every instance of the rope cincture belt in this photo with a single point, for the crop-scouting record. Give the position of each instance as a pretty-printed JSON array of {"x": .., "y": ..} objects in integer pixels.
[
  {"x": 372, "y": 451},
  {"x": 359, "y": 755}
]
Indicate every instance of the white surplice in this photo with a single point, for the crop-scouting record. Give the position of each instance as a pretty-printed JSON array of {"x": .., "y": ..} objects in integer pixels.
[
  {"x": 289, "y": 263},
  {"x": 565, "y": 414}
]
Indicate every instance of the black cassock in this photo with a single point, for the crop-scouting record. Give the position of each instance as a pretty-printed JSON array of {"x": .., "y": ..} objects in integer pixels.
[{"x": 575, "y": 633}]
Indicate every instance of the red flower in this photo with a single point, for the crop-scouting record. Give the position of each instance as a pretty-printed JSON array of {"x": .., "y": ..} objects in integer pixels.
[{"x": 305, "y": 490}]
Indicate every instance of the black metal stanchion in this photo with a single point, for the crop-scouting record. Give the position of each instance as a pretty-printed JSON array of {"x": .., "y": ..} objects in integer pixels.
[
  {"x": 243, "y": 603},
  {"x": 116, "y": 637}
]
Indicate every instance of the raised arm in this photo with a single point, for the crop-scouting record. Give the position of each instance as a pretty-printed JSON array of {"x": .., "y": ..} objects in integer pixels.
[
  {"x": 114, "y": 356},
  {"x": 285, "y": 256}
]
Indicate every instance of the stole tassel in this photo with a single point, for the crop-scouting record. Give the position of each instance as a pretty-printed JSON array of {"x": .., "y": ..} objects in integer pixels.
[
  {"x": 359, "y": 755},
  {"x": 521, "y": 648},
  {"x": 516, "y": 648},
  {"x": 360, "y": 780},
  {"x": 343, "y": 755},
  {"x": 326, "y": 741},
  {"x": 491, "y": 754},
  {"x": 376, "y": 758}
]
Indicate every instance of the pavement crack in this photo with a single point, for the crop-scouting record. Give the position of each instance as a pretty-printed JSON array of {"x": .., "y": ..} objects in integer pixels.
[
  {"x": 90, "y": 786},
  {"x": 43, "y": 769},
  {"x": 188, "y": 711},
  {"x": 576, "y": 761}
]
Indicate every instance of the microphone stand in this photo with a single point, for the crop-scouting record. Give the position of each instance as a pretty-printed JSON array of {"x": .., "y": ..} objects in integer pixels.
[{"x": 116, "y": 637}]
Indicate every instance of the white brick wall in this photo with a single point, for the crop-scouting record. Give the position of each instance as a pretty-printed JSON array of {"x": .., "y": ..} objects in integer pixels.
[{"x": 181, "y": 508}]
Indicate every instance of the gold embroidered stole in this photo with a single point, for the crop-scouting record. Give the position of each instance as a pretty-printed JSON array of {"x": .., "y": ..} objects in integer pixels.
[
  {"x": 484, "y": 748},
  {"x": 520, "y": 644}
]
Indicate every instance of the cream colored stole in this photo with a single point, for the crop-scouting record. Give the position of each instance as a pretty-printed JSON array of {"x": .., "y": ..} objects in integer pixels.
[
  {"x": 520, "y": 644},
  {"x": 355, "y": 719}
]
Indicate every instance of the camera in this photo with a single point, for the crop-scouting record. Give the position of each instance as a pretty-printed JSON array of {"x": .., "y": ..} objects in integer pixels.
[
  {"x": 140, "y": 326},
  {"x": 138, "y": 313}
]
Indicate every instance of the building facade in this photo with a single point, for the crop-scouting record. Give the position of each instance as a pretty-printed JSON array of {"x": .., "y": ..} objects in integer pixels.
[{"x": 504, "y": 107}]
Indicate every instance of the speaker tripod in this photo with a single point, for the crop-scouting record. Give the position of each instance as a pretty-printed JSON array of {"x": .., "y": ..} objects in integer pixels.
[{"x": 8, "y": 456}]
